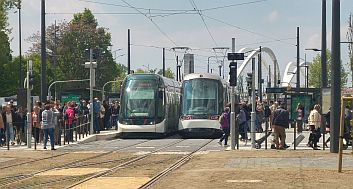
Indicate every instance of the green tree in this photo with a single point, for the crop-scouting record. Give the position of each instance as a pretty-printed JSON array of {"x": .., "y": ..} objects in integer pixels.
[
  {"x": 315, "y": 72},
  {"x": 8, "y": 72},
  {"x": 168, "y": 73},
  {"x": 67, "y": 43},
  {"x": 139, "y": 70}
]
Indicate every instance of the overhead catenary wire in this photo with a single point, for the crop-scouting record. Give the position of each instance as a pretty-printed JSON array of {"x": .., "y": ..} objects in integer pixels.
[
  {"x": 203, "y": 20},
  {"x": 247, "y": 30},
  {"x": 154, "y": 23},
  {"x": 177, "y": 11}
]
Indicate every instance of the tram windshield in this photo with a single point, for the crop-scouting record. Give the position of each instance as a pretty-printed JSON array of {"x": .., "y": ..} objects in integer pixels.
[
  {"x": 201, "y": 96},
  {"x": 139, "y": 98}
]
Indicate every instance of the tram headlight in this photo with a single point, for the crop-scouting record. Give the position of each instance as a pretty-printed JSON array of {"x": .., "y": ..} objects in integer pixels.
[
  {"x": 187, "y": 117},
  {"x": 214, "y": 117}
]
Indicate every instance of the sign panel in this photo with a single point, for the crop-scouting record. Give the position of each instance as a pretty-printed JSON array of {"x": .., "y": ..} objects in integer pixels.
[
  {"x": 275, "y": 90},
  {"x": 70, "y": 98}
]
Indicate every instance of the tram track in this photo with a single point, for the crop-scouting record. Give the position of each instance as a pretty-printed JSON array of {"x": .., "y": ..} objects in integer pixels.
[
  {"x": 173, "y": 167},
  {"x": 34, "y": 160},
  {"x": 123, "y": 165},
  {"x": 10, "y": 180}
]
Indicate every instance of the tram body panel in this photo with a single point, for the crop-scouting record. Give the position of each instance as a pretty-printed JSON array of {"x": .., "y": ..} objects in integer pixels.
[
  {"x": 203, "y": 99},
  {"x": 145, "y": 104}
]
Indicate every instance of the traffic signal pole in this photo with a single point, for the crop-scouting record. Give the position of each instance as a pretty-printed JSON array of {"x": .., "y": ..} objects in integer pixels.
[
  {"x": 232, "y": 102},
  {"x": 29, "y": 109}
]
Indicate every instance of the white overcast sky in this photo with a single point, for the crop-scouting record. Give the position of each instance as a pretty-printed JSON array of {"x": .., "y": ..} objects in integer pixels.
[{"x": 252, "y": 23}]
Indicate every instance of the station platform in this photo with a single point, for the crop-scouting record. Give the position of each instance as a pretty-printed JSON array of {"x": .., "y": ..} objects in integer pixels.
[{"x": 103, "y": 135}]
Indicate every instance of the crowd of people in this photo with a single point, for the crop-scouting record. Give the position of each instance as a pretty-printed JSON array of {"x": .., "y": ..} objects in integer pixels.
[
  {"x": 51, "y": 119},
  {"x": 278, "y": 118}
]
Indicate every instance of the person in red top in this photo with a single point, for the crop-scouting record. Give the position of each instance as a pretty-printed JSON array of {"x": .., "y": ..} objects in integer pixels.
[
  {"x": 36, "y": 123},
  {"x": 69, "y": 120}
]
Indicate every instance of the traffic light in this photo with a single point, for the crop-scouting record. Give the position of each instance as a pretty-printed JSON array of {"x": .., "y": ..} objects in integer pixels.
[
  {"x": 30, "y": 80},
  {"x": 249, "y": 82},
  {"x": 233, "y": 74}
]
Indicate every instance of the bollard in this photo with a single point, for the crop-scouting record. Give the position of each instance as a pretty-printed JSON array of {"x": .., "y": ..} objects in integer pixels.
[
  {"x": 266, "y": 131},
  {"x": 295, "y": 134},
  {"x": 7, "y": 136},
  {"x": 340, "y": 151},
  {"x": 65, "y": 134},
  {"x": 35, "y": 138}
]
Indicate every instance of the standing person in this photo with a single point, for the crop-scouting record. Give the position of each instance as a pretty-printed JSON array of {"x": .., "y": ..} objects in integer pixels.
[
  {"x": 35, "y": 123},
  {"x": 20, "y": 125},
  {"x": 327, "y": 125},
  {"x": 115, "y": 113},
  {"x": 225, "y": 126},
  {"x": 9, "y": 118},
  {"x": 96, "y": 110},
  {"x": 57, "y": 116},
  {"x": 48, "y": 126},
  {"x": 300, "y": 117},
  {"x": 273, "y": 108},
  {"x": 101, "y": 116},
  {"x": 70, "y": 116},
  {"x": 107, "y": 114},
  {"x": 314, "y": 122},
  {"x": 259, "y": 115},
  {"x": 241, "y": 118},
  {"x": 2, "y": 130},
  {"x": 280, "y": 123}
]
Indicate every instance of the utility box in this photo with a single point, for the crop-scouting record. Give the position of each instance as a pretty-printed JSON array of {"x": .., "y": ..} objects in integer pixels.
[{"x": 188, "y": 63}]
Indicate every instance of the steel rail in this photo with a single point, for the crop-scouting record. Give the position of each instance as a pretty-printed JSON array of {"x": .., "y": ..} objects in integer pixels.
[{"x": 174, "y": 166}]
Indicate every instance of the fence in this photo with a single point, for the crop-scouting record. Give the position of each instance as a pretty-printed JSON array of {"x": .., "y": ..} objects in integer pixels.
[{"x": 64, "y": 133}]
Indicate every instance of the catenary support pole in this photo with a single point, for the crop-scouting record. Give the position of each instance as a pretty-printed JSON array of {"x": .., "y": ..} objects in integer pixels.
[
  {"x": 298, "y": 64},
  {"x": 43, "y": 68},
  {"x": 20, "y": 43},
  {"x": 91, "y": 89},
  {"x": 163, "y": 62},
  {"x": 336, "y": 79},
  {"x": 128, "y": 52},
  {"x": 323, "y": 67}
]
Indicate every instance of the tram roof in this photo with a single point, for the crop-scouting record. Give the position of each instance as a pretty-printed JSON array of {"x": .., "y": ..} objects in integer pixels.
[{"x": 202, "y": 75}]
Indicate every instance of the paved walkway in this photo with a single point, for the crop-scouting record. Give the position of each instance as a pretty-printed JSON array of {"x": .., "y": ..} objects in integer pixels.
[{"x": 103, "y": 135}]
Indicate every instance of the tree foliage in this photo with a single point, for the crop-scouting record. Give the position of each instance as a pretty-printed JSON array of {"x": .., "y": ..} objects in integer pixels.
[
  {"x": 168, "y": 73},
  {"x": 66, "y": 47},
  {"x": 315, "y": 75},
  {"x": 8, "y": 73}
]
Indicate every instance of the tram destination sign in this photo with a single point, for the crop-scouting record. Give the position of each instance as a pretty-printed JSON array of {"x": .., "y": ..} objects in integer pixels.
[
  {"x": 235, "y": 56},
  {"x": 275, "y": 90}
]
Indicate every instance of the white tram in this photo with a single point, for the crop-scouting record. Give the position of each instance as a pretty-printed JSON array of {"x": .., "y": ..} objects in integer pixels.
[
  {"x": 204, "y": 97},
  {"x": 149, "y": 106}
]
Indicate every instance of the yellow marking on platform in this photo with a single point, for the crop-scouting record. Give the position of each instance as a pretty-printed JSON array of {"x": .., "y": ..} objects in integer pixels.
[
  {"x": 244, "y": 181},
  {"x": 114, "y": 183},
  {"x": 72, "y": 171}
]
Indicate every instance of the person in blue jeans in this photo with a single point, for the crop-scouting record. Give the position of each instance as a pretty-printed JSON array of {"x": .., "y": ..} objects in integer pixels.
[
  {"x": 48, "y": 125},
  {"x": 2, "y": 131}
]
